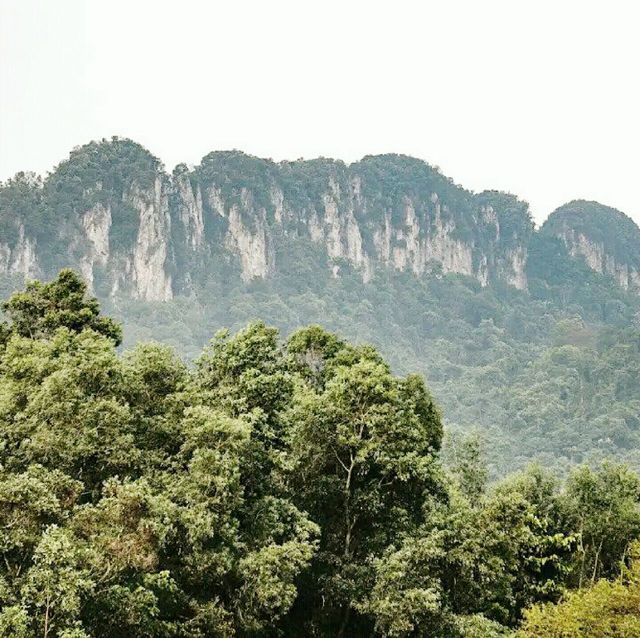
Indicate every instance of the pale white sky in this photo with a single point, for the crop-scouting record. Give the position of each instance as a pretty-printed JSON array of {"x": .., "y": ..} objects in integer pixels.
[{"x": 538, "y": 98}]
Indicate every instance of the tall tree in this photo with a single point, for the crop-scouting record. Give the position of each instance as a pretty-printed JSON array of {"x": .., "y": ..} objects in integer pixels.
[
  {"x": 62, "y": 302},
  {"x": 363, "y": 458}
]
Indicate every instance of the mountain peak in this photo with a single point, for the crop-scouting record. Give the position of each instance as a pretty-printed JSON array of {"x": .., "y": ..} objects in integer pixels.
[{"x": 607, "y": 239}]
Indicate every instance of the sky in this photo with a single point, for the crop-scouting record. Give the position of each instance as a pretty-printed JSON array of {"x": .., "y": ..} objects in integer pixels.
[{"x": 541, "y": 99}]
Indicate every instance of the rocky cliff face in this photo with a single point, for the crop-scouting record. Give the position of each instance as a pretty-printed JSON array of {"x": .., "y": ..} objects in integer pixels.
[
  {"x": 112, "y": 212},
  {"x": 19, "y": 256},
  {"x": 138, "y": 268},
  {"x": 607, "y": 240},
  {"x": 383, "y": 212}
]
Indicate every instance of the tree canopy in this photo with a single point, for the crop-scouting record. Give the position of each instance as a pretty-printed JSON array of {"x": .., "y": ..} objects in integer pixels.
[{"x": 277, "y": 487}]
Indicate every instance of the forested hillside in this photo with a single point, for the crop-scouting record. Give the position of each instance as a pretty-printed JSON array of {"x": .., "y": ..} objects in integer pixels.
[
  {"x": 553, "y": 377},
  {"x": 278, "y": 487},
  {"x": 531, "y": 338}
]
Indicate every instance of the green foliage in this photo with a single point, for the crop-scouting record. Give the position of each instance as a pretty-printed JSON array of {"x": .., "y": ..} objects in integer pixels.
[
  {"x": 388, "y": 179},
  {"x": 514, "y": 218},
  {"x": 468, "y": 466},
  {"x": 108, "y": 173},
  {"x": 287, "y": 488},
  {"x": 293, "y": 487},
  {"x": 122, "y": 490},
  {"x": 603, "y": 506},
  {"x": 523, "y": 519},
  {"x": 103, "y": 173},
  {"x": 21, "y": 202},
  {"x": 234, "y": 172},
  {"x": 43, "y": 308},
  {"x": 604, "y": 609},
  {"x": 363, "y": 448}
]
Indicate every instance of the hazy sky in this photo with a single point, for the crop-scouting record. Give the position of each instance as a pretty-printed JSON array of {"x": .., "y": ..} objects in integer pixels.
[{"x": 538, "y": 98}]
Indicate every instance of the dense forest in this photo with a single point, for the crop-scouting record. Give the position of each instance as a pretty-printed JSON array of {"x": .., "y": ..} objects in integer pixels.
[{"x": 283, "y": 488}]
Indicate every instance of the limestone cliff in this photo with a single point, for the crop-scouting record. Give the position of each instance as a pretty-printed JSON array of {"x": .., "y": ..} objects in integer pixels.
[
  {"x": 113, "y": 212},
  {"x": 20, "y": 256},
  {"x": 383, "y": 212},
  {"x": 104, "y": 211},
  {"x": 607, "y": 240}
]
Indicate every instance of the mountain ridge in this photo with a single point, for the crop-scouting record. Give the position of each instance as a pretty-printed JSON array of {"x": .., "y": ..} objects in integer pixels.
[{"x": 113, "y": 212}]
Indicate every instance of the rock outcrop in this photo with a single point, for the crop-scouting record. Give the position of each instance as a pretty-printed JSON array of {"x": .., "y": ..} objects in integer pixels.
[
  {"x": 19, "y": 257},
  {"x": 606, "y": 239}
]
